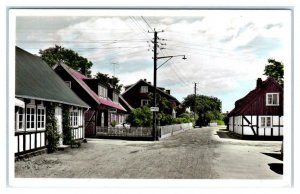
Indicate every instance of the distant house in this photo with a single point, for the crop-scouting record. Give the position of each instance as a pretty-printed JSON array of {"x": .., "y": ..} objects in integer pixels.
[
  {"x": 38, "y": 88},
  {"x": 137, "y": 95},
  {"x": 260, "y": 112},
  {"x": 101, "y": 97}
]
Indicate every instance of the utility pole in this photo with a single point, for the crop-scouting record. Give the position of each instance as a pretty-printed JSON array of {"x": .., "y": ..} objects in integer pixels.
[
  {"x": 154, "y": 83},
  {"x": 155, "y": 58},
  {"x": 195, "y": 97}
]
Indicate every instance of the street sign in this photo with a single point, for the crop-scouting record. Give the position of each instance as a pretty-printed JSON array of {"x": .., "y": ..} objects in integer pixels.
[{"x": 154, "y": 109}]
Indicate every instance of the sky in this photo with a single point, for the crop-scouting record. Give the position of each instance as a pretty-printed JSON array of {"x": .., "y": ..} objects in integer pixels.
[{"x": 226, "y": 50}]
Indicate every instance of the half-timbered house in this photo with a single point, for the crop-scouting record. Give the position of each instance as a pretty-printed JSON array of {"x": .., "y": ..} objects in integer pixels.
[
  {"x": 101, "y": 97},
  {"x": 260, "y": 112},
  {"x": 37, "y": 89}
]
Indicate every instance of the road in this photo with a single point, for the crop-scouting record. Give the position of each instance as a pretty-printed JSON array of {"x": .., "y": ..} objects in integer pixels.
[{"x": 194, "y": 154}]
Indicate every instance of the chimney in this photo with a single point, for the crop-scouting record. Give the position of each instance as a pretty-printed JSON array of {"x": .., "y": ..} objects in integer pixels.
[
  {"x": 83, "y": 70},
  {"x": 258, "y": 82},
  {"x": 149, "y": 83},
  {"x": 145, "y": 80},
  {"x": 168, "y": 91}
]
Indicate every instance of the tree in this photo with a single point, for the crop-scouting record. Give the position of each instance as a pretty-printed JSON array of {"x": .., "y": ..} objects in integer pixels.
[
  {"x": 275, "y": 70},
  {"x": 140, "y": 117},
  {"x": 71, "y": 58},
  {"x": 208, "y": 108},
  {"x": 114, "y": 81}
]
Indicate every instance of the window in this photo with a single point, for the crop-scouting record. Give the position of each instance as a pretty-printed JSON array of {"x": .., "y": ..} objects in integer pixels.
[
  {"x": 19, "y": 119},
  {"x": 272, "y": 99},
  {"x": 41, "y": 118},
  {"x": 144, "y": 102},
  {"x": 102, "y": 91},
  {"x": 115, "y": 97},
  {"x": 68, "y": 83},
  {"x": 266, "y": 122},
  {"x": 144, "y": 89},
  {"x": 73, "y": 118},
  {"x": 30, "y": 117}
]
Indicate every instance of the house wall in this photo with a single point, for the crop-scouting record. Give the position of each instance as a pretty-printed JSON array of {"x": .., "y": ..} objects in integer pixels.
[
  {"x": 28, "y": 139},
  {"x": 251, "y": 125}
]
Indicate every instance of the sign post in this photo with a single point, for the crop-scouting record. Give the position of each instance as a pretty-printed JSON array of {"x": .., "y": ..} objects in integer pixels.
[{"x": 154, "y": 109}]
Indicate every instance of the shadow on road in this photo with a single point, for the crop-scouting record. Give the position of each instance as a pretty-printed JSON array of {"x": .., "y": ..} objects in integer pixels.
[
  {"x": 276, "y": 167},
  {"x": 275, "y": 155},
  {"x": 227, "y": 135}
]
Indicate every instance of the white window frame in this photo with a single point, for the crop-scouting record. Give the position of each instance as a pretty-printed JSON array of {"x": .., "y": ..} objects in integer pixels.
[
  {"x": 102, "y": 91},
  {"x": 30, "y": 121},
  {"x": 264, "y": 122},
  {"x": 272, "y": 99},
  {"x": 18, "y": 114},
  {"x": 74, "y": 118},
  {"x": 115, "y": 97},
  {"x": 144, "y": 89},
  {"x": 144, "y": 100},
  {"x": 68, "y": 83},
  {"x": 42, "y": 117}
]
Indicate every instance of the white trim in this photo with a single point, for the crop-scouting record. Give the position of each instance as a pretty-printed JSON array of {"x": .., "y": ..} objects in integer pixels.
[
  {"x": 272, "y": 94},
  {"x": 144, "y": 100},
  {"x": 17, "y": 120},
  {"x": 19, "y": 103},
  {"x": 74, "y": 118},
  {"x": 42, "y": 116},
  {"x": 31, "y": 107},
  {"x": 265, "y": 122}
]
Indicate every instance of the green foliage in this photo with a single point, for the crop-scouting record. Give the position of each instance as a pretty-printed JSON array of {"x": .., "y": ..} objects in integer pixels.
[
  {"x": 219, "y": 122},
  {"x": 53, "y": 55},
  {"x": 104, "y": 78},
  {"x": 140, "y": 117},
  {"x": 207, "y": 107},
  {"x": 275, "y": 69},
  {"x": 51, "y": 127},
  {"x": 166, "y": 119},
  {"x": 163, "y": 103},
  {"x": 68, "y": 138},
  {"x": 113, "y": 123}
]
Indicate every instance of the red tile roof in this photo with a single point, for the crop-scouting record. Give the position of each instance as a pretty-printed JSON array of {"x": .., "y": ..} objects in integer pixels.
[{"x": 80, "y": 78}]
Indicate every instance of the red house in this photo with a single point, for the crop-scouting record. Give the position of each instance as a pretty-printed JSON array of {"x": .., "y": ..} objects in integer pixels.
[
  {"x": 101, "y": 97},
  {"x": 260, "y": 112},
  {"x": 137, "y": 95}
]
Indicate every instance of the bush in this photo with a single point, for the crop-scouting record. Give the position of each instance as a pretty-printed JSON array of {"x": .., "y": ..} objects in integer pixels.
[
  {"x": 51, "y": 127},
  {"x": 113, "y": 123},
  {"x": 219, "y": 122},
  {"x": 140, "y": 117}
]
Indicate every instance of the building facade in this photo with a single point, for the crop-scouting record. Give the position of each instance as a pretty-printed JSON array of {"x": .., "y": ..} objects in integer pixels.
[
  {"x": 138, "y": 95},
  {"x": 39, "y": 89},
  {"x": 105, "y": 110},
  {"x": 260, "y": 112}
]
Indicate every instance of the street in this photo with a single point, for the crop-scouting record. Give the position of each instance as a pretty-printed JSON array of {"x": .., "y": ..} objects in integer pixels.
[{"x": 194, "y": 154}]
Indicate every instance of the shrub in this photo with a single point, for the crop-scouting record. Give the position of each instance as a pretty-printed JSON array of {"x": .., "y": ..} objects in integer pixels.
[
  {"x": 113, "y": 123},
  {"x": 140, "y": 117},
  {"x": 51, "y": 127}
]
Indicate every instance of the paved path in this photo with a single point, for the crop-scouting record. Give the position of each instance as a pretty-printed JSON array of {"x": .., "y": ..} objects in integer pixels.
[{"x": 194, "y": 154}]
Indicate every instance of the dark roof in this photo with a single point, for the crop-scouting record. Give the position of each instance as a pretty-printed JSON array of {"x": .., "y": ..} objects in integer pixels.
[
  {"x": 79, "y": 78},
  {"x": 157, "y": 88},
  {"x": 242, "y": 105},
  {"x": 36, "y": 80}
]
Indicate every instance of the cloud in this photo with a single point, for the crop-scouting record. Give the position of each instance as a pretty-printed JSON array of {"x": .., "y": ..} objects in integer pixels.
[{"x": 224, "y": 48}]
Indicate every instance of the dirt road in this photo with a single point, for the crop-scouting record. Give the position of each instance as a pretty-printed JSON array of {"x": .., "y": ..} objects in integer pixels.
[{"x": 194, "y": 154}]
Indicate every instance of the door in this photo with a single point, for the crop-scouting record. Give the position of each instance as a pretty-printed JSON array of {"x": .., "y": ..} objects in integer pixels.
[{"x": 58, "y": 116}]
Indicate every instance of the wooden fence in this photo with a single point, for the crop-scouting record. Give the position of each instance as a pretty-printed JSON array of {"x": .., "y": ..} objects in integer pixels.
[{"x": 124, "y": 132}]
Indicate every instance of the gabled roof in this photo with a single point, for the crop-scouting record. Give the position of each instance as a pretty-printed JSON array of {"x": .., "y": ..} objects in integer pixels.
[
  {"x": 244, "y": 103},
  {"x": 79, "y": 78},
  {"x": 36, "y": 80},
  {"x": 146, "y": 83}
]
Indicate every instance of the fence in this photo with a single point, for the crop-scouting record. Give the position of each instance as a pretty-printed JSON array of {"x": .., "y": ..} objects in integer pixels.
[
  {"x": 169, "y": 130},
  {"x": 124, "y": 132}
]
